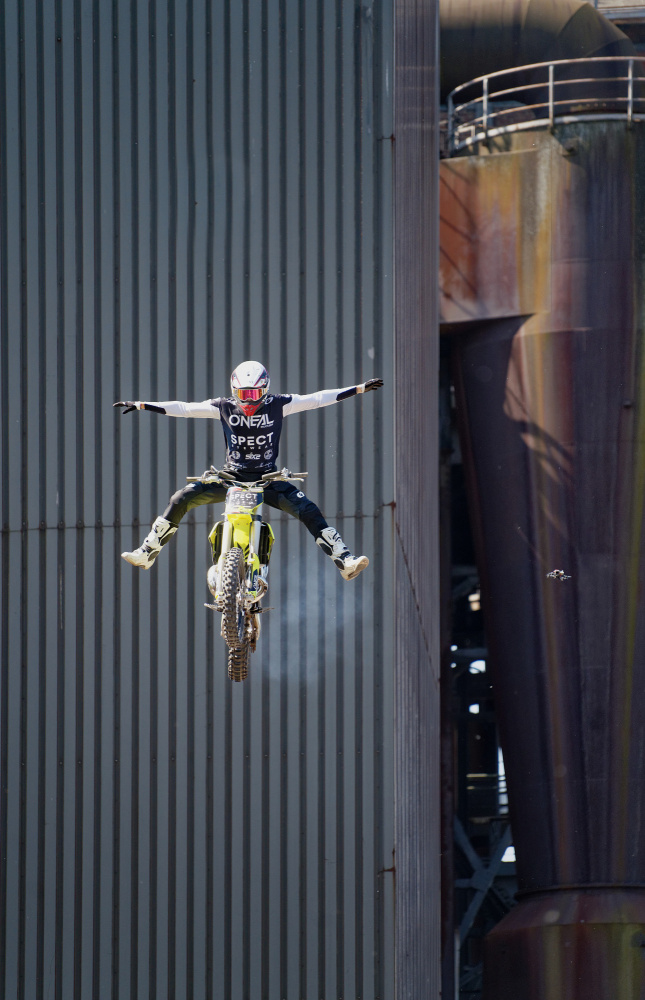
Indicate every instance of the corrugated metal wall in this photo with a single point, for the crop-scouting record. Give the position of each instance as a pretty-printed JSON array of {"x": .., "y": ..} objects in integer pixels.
[
  {"x": 184, "y": 184},
  {"x": 417, "y": 667}
]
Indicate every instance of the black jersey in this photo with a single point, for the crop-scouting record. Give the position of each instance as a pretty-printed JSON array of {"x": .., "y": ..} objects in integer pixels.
[{"x": 252, "y": 442}]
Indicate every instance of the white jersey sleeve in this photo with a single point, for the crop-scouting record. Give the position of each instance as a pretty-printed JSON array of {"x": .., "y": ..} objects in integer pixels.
[
  {"x": 177, "y": 408},
  {"x": 314, "y": 400}
]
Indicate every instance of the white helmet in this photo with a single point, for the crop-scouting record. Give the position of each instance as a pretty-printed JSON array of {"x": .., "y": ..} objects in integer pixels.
[{"x": 250, "y": 385}]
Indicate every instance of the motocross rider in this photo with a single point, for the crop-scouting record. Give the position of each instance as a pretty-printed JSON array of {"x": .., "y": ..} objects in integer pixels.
[{"x": 251, "y": 420}]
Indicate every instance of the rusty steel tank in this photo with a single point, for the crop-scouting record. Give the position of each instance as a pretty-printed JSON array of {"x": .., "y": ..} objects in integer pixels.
[{"x": 543, "y": 293}]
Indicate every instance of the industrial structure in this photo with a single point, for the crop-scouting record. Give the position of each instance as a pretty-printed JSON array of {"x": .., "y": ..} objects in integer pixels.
[
  {"x": 543, "y": 303},
  {"x": 425, "y": 787}
]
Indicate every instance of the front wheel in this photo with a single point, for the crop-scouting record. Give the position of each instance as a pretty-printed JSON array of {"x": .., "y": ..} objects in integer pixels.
[
  {"x": 233, "y": 585},
  {"x": 238, "y": 663}
]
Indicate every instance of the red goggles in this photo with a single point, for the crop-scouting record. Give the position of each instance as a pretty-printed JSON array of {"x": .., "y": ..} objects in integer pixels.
[{"x": 249, "y": 395}]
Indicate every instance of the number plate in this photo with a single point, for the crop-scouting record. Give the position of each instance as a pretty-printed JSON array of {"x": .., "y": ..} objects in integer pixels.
[{"x": 237, "y": 499}]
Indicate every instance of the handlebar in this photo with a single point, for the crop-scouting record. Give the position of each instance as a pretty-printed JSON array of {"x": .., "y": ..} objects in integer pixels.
[
  {"x": 284, "y": 474},
  {"x": 214, "y": 475}
]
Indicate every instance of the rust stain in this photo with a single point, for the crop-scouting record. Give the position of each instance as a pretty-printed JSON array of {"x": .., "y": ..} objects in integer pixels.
[{"x": 494, "y": 236}]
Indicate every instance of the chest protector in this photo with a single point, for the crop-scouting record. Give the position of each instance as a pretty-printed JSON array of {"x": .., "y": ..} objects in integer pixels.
[{"x": 252, "y": 442}]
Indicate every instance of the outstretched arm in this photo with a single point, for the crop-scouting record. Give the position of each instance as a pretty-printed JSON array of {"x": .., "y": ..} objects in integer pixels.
[
  {"x": 373, "y": 383},
  {"x": 328, "y": 396},
  {"x": 173, "y": 408}
]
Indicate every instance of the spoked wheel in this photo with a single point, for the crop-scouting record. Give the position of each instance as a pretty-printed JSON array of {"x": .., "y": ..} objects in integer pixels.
[
  {"x": 233, "y": 616},
  {"x": 238, "y": 663}
]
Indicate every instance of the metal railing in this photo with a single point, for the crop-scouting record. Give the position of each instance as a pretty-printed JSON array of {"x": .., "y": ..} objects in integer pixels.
[{"x": 545, "y": 95}]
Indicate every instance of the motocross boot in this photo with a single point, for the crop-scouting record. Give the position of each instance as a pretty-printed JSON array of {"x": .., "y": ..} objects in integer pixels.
[
  {"x": 145, "y": 555},
  {"x": 333, "y": 546}
]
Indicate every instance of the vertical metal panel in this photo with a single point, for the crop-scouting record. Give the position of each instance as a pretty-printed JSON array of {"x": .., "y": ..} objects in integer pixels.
[
  {"x": 184, "y": 184},
  {"x": 418, "y": 884}
]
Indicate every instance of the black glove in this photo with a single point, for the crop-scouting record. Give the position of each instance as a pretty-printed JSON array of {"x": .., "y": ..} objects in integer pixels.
[
  {"x": 128, "y": 406},
  {"x": 373, "y": 383}
]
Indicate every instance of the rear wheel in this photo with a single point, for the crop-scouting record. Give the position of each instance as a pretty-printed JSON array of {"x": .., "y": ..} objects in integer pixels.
[{"x": 233, "y": 615}]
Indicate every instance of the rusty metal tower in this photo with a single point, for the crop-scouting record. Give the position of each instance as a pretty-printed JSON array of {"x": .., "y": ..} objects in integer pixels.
[{"x": 543, "y": 292}]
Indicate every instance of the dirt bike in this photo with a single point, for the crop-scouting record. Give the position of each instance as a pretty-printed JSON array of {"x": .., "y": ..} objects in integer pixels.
[{"x": 241, "y": 543}]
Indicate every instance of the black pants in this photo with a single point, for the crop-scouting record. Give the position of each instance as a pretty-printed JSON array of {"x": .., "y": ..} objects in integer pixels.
[{"x": 280, "y": 495}]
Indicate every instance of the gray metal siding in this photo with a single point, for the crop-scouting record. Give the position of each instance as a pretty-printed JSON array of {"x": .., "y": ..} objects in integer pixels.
[
  {"x": 417, "y": 670},
  {"x": 182, "y": 185}
]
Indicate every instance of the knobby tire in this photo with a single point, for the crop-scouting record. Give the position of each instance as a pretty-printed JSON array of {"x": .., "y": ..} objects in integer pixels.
[
  {"x": 238, "y": 663},
  {"x": 234, "y": 618}
]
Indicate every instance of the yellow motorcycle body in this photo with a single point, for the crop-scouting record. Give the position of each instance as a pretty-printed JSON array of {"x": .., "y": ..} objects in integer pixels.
[{"x": 241, "y": 544}]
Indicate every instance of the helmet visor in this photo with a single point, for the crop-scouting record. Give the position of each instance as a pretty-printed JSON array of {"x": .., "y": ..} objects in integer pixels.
[{"x": 249, "y": 395}]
